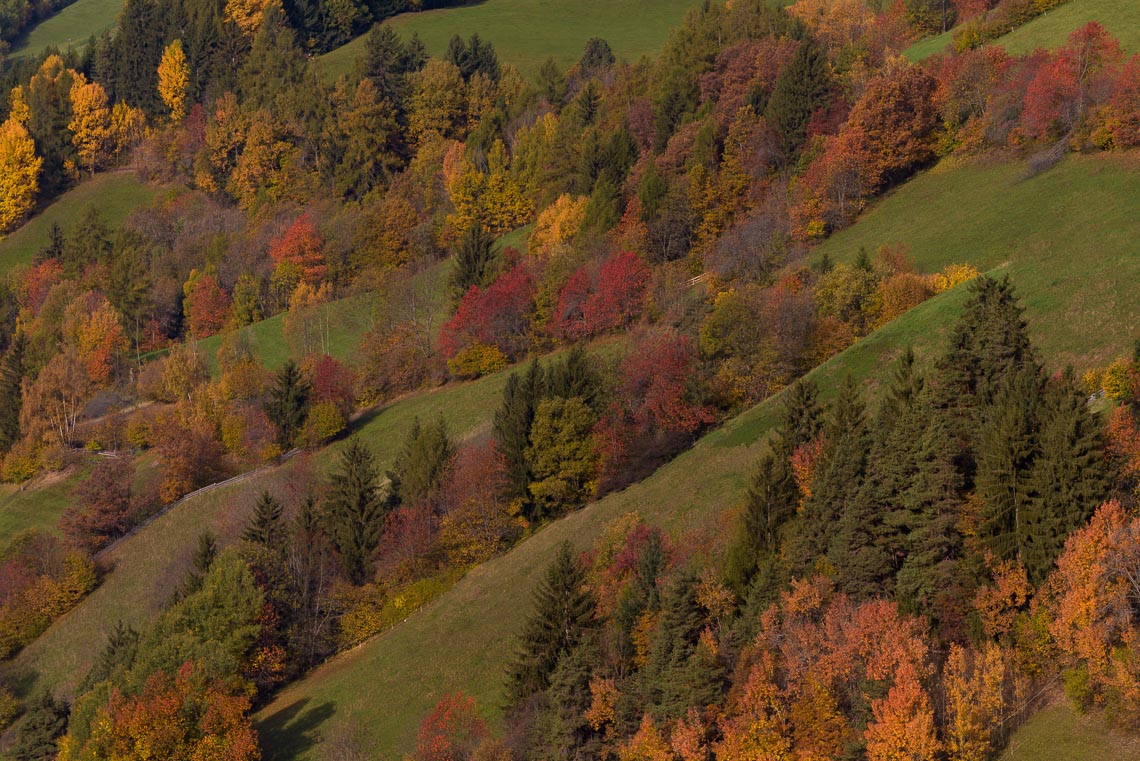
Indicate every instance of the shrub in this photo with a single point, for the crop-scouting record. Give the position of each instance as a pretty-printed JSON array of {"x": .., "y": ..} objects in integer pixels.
[
  {"x": 325, "y": 420},
  {"x": 477, "y": 359}
]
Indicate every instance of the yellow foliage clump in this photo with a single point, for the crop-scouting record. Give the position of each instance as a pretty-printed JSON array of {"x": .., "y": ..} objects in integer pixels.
[
  {"x": 19, "y": 174},
  {"x": 477, "y": 359},
  {"x": 174, "y": 80},
  {"x": 556, "y": 225},
  {"x": 953, "y": 275}
]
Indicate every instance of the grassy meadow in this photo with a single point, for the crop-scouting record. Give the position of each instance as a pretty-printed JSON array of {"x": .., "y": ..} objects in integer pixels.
[
  {"x": 987, "y": 216},
  {"x": 527, "y": 32},
  {"x": 114, "y": 194},
  {"x": 1120, "y": 17},
  {"x": 72, "y": 27}
]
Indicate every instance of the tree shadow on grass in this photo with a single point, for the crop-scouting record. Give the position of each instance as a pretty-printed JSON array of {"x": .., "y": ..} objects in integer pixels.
[{"x": 295, "y": 729}]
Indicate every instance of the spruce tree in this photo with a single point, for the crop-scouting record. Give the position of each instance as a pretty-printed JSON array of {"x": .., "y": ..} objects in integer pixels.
[
  {"x": 383, "y": 63},
  {"x": 552, "y": 84},
  {"x": 568, "y": 699},
  {"x": 138, "y": 46},
  {"x": 421, "y": 464},
  {"x": 356, "y": 510},
  {"x": 37, "y": 735},
  {"x": 927, "y": 513},
  {"x": 54, "y": 247},
  {"x": 640, "y": 595},
  {"x": 575, "y": 376},
  {"x": 474, "y": 260},
  {"x": 563, "y": 613},
  {"x": 203, "y": 557},
  {"x": 275, "y": 63},
  {"x": 288, "y": 403},
  {"x": 1006, "y": 451},
  {"x": 988, "y": 344},
  {"x": 800, "y": 90},
  {"x": 511, "y": 428},
  {"x": 1069, "y": 477},
  {"x": 678, "y": 674},
  {"x": 265, "y": 527},
  {"x": 837, "y": 478},
  {"x": 11, "y": 391}
]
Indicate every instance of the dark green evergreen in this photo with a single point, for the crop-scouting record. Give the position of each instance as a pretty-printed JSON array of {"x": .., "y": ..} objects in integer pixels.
[
  {"x": 836, "y": 481},
  {"x": 575, "y": 375},
  {"x": 1006, "y": 451},
  {"x": 680, "y": 674},
  {"x": 563, "y": 613},
  {"x": 37, "y": 735},
  {"x": 421, "y": 464},
  {"x": 801, "y": 89},
  {"x": 288, "y": 403},
  {"x": 474, "y": 260},
  {"x": 596, "y": 58},
  {"x": 265, "y": 527},
  {"x": 11, "y": 391},
  {"x": 275, "y": 63},
  {"x": 552, "y": 84},
  {"x": 473, "y": 56},
  {"x": 568, "y": 699},
  {"x": 640, "y": 595},
  {"x": 200, "y": 562},
  {"x": 137, "y": 51},
  {"x": 356, "y": 510},
  {"x": 1069, "y": 478},
  {"x": 512, "y": 424}
]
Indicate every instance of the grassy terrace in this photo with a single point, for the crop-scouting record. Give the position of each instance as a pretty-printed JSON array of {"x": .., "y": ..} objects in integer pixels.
[
  {"x": 115, "y": 194},
  {"x": 527, "y": 32},
  {"x": 988, "y": 216},
  {"x": 1120, "y": 17}
]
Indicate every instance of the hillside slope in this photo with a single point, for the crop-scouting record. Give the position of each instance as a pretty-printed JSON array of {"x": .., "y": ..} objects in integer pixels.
[
  {"x": 462, "y": 641},
  {"x": 527, "y": 32},
  {"x": 1120, "y": 17}
]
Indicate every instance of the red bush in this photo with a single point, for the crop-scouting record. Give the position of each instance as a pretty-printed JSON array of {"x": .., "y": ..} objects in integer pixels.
[{"x": 495, "y": 316}]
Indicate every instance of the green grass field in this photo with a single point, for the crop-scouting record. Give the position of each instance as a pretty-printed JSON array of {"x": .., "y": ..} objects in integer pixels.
[
  {"x": 70, "y": 28},
  {"x": 1058, "y": 733},
  {"x": 114, "y": 194},
  {"x": 447, "y": 648},
  {"x": 527, "y": 32},
  {"x": 1120, "y": 17}
]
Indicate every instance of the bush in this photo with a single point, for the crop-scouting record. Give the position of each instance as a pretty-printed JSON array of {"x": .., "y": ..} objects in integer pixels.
[
  {"x": 325, "y": 420},
  {"x": 477, "y": 359}
]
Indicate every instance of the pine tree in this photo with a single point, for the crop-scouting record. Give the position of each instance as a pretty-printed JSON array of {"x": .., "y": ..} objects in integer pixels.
[
  {"x": 642, "y": 594},
  {"x": 837, "y": 478},
  {"x": 988, "y": 344},
  {"x": 11, "y": 391},
  {"x": 204, "y": 555},
  {"x": 928, "y": 512},
  {"x": 138, "y": 46},
  {"x": 1069, "y": 478},
  {"x": 679, "y": 674},
  {"x": 575, "y": 376},
  {"x": 568, "y": 699},
  {"x": 384, "y": 61},
  {"x": 421, "y": 464},
  {"x": 1006, "y": 450},
  {"x": 563, "y": 613},
  {"x": 37, "y": 735},
  {"x": 116, "y": 657},
  {"x": 356, "y": 510},
  {"x": 54, "y": 247},
  {"x": 800, "y": 90},
  {"x": 474, "y": 260},
  {"x": 511, "y": 428},
  {"x": 288, "y": 403},
  {"x": 275, "y": 63},
  {"x": 552, "y": 84},
  {"x": 265, "y": 527}
]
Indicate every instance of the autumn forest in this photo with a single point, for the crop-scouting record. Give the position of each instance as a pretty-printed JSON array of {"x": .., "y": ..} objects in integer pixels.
[{"x": 295, "y": 360}]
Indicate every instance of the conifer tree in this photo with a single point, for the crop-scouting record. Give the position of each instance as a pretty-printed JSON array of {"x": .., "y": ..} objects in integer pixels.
[
  {"x": 265, "y": 527},
  {"x": 989, "y": 343},
  {"x": 137, "y": 46},
  {"x": 799, "y": 91},
  {"x": 421, "y": 464},
  {"x": 927, "y": 516},
  {"x": 568, "y": 699},
  {"x": 385, "y": 59},
  {"x": 54, "y": 247},
  {"x": 641, "y": 595},
  {"x": 200, "y": 562},
  {"x": 552, "y": 83},
  {"x": 678, "y": 675},
  {"x": 512, "y": 424},
  {"x": 837, "y": 478},
  {"x": 1006, "y": 450},
  {"x": 356, "y": 510},
  {"x": 37, "y": 735},
  {"x": 11, "y": 392},
  {"x": 1069, "y": 477},
  {"x": 575, "y": 376},
  {"x": 274, "y": 64},
  {"x": 288, "y": 403},
  {"x": 474, "y": 260},
  {"x": 563, "y": 613}
]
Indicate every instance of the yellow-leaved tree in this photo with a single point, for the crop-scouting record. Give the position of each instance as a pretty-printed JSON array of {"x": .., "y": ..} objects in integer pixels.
[
  {"x": 19, "y": 173},
  {"x": 174, "y": 80},
  {"x": 90, "y": 123}
]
